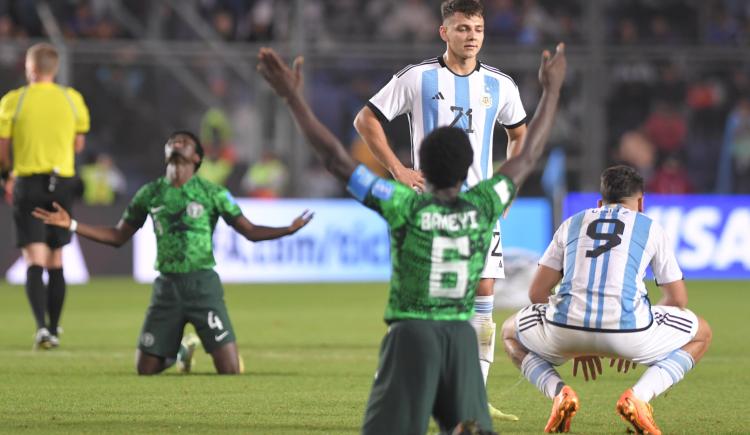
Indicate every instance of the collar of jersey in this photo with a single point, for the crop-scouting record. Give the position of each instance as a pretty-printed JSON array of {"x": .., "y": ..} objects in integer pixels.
[{"x": 442, "y": 63}]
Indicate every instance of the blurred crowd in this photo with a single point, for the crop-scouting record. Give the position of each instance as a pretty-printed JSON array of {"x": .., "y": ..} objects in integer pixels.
[{"x": 685, "y": 126}]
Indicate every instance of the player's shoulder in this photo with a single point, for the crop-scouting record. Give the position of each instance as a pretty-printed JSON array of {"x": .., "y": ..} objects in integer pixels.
[
  {"x": 415, "y": 68},
  {"x": 13, "y": 94},
  {"x": 72, "y": 92},
  {"x": 497, "y": 73}
]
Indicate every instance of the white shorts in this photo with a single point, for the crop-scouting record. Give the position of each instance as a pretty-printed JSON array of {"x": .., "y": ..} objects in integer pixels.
[
  {"x": 671, "y": 329},
  {"x": 494, "y": 265}
]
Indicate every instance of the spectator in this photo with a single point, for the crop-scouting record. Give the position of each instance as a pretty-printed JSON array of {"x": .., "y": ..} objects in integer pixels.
[
  {"x": 666, "y": 127},
  {"x": 266, "y": 178},
  {"x": 671, "y": 178},
  {"x": 102, "y": 181}
]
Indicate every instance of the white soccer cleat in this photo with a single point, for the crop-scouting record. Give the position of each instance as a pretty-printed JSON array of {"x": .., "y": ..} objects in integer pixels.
[
  {"x": 43, "y": 340},
  {"x": 185, "y": 360}
]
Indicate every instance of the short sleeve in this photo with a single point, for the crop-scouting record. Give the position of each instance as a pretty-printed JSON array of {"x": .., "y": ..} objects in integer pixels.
[
  {"x": 227, "y": 205},
  {"x": 393, "y": 99},
  {"x": 137, "y": 211},
  {"x": 512, "y": 113},
  {"x": 664, "y": 263},
  {"x": 494, "y": 195},
  {"x": 83, "y": 120},
  {"x": 388, "y": 198},
  {"x": 7, "y": 112},
  {"x": 554, "y": 255}
]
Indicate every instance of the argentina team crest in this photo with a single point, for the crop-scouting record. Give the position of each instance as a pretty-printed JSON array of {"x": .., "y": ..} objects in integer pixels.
[
  {"x": 195, "y": 210},
  {"x": 486, "y": 100}
]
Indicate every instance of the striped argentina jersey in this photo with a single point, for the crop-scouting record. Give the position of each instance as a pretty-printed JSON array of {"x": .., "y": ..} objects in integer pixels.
[
  {"x": 433, "y": 96},
  {"x": 603, "y": 254}
]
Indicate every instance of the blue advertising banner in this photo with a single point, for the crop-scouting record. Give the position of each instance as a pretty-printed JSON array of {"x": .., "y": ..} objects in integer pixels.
[
  {"x": 345, "y": 241},
  {"x": 710, "y": 233}
]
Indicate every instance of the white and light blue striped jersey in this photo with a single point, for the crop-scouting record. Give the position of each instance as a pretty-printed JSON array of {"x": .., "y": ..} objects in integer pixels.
[
  {"x": 433, "y": 96},
  {"x": 603, "y": 254}
]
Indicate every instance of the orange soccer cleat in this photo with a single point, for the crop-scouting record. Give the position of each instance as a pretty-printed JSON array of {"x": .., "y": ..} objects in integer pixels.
[
  {"x": 638, "y": 413},
  {"x": 564, "y": 407}
]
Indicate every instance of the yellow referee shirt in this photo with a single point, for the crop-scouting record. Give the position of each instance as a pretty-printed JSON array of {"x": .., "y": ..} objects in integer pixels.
[{"x": 42, "y": 119}]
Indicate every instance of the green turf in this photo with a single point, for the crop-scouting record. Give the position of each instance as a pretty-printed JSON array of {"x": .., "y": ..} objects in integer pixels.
[{"x": 310, "y": 352}]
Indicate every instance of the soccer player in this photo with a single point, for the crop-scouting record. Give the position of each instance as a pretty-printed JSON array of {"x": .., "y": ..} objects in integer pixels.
[
  {"x": 454, "y": 89},
  {"x": 439, "y": 241},
  {"x": 184, "y": 209},
  {"x": 46, "y": 123},
  {"x": 602, "y": 306}
]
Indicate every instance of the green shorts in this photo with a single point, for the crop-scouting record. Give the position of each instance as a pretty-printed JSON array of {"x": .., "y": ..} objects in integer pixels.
[
  {"x": 181, "y": 298},
  {"x": 427, "y": 368}
]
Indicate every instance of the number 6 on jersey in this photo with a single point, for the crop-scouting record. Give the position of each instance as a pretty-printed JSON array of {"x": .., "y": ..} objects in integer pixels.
[{"x": 449, "y": 278}]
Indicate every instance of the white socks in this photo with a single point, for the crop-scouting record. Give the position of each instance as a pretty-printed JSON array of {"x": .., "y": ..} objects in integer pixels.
[
  {"x": 662, "y": 375},
  {"x": 541, "y": 373},
  {"x": 485, "y": 329}
]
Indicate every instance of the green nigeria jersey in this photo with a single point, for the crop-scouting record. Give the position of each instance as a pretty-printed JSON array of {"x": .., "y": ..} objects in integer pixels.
[
  {"x": 184, "y": 221},
  {"x": 438, "y": 249}
]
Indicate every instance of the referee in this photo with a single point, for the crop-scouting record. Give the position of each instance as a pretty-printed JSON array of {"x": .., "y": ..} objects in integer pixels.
[{"x": 45, "y": 123}]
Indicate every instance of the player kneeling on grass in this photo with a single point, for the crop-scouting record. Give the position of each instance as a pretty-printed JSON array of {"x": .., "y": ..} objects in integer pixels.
[
  {"x": 602, "y": 308},
  {"x": 439, "y": 240},
  {"x": 184, "y": 209}
]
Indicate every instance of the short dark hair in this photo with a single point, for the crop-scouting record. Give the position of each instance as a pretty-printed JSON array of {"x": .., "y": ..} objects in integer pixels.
[
  {"x": 196, "y": 141},
  {"x": 470, "y": 8},
  {"x": 445, "y": 157},
  {"x": 620, "y": 182}
]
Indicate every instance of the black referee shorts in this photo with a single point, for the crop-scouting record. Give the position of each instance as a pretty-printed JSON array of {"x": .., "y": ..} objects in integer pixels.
[{"x": 40, "y": 191}]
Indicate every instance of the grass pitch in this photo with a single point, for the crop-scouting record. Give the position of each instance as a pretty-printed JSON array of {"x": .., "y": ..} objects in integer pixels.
[{"x": 310, "y": 353}]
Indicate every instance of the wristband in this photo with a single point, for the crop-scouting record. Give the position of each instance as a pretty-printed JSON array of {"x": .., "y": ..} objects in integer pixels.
[{"x": 73, "y": 226}]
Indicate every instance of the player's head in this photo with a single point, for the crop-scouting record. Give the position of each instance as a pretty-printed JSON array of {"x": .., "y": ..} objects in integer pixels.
[
  {"x": 463, "y": 27},
  {"x": 445, "y": 157},
  {"x": 185, "y": 144},
  {"x": 42, "y": 61},
  {"x": 621, "y": 184}
]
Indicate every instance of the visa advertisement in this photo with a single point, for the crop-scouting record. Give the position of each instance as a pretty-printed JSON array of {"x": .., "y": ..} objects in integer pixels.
[
  {"x": 710, "y": 233},
  {"x": 345, "y": 241}
]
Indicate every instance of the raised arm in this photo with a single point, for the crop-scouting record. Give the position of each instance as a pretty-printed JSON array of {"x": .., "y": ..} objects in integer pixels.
[
  {"x": 369, "y": 127},
  {"x": 551, "y": 76},
  {"x": 113, "y": 236},
  {"x": 256, "y": 233},
  {"x": 288, "y": 85}
]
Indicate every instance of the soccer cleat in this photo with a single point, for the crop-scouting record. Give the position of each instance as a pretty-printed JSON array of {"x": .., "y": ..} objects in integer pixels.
[
  {"x": 564, "y": 407},
  {"x": 500, "y": 415},
  {"x": 637, "y": 413},
  {"x": 185, "y": 360},
  {"x": 54, "y": 341},
  {"x": 43, "y": 340}
]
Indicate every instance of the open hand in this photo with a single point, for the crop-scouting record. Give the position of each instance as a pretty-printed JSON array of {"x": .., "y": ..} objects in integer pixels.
[
  {"x": 623, "y": 365},
  {"x": 300, "y": 221},
  {"x": 285, "y": 81},
  {"x": 590, "y": 365},
  {"x": 59, "y": 217},
  {"x": 552, "y": 68}
]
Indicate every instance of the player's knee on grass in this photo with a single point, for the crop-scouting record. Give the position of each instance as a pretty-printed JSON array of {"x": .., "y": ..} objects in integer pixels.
[
  {"x": 146, "y": 364},
  {"x": 512, "y": 346},
  {"x": 226, "y": 359}
]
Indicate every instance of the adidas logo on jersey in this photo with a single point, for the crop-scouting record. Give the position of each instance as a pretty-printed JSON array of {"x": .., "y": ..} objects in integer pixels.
[{"x": 438, "y": 96}]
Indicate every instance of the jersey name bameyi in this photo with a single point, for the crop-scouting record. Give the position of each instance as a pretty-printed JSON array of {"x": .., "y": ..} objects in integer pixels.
[{"x": 449, "y": 222}]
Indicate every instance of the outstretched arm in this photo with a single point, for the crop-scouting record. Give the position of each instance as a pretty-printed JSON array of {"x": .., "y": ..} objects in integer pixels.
[
  {"x": 288, "y": 85},
  {"x": 551, "y": 76},
  {"x": 256, "y": 233},
  {"x": 113, "y": 236}
]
